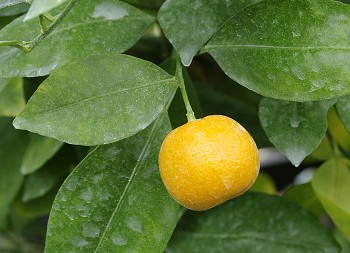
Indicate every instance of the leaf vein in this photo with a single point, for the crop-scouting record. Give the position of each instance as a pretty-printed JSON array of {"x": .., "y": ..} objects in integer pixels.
[
  {"x": 133, "y": 173},
  {"x": 103, "y": 95},
  {"x": 252, "y": 236},
  {"x": 93, "y": 22},
  {"x": 276, "y": 47}
]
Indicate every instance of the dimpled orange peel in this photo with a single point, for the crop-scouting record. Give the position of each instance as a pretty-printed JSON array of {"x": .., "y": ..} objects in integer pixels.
[{"x": 208, "y": 161}]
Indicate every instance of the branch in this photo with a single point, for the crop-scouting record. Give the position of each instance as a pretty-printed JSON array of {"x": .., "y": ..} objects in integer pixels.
[{"x": 46, "y": 30}]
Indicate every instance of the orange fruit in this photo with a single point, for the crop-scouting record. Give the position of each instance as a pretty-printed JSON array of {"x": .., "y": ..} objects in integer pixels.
[{"x": 208, "y": 161}]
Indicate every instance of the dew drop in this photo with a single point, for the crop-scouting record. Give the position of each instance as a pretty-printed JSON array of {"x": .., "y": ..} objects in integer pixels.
[
  {"x": 72, "y": 183},
  {"x": 109, "y": 11},
  {"x": 79, "y": 242},
  {"x": 296, "y": 155},
  {"x": 118, "y": 240},
  {"x": 295, "y": 121},
  {"x": 86, "y": 195},
  {"x": 90, "y": 230},
  {"x": 134, "y": 224},
  {"x": 132, "y": 199}
]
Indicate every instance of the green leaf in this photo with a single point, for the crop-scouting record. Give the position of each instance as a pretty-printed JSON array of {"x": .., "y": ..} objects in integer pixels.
[
  {"x": 7, "y": 3},
  {"x": 342, "y": 240},
  {"x": 252, "y": 223},
  {"x": 11, "y": 97},
  {"x": 345, "y": 1},
  {"x": 324, "y": 151},
  {"x": 98, "y": 100},
  {"x": 215, "y": 102},
  {"x": 12, "y": 10},
  {"x": 34, "y": 208},
  {"x": 39, "y": 7},
  {"x": 146, "y": 4},
  {"x": 40, "y": 149},
  {"x": 338, "y": 131},
  {"x": 264, "y": 184},
  {"x": 12, "y": 147},
  {"x": 3, "y": 83},
  {"x": 289, "y": 49},
  {"x": 305, "y": 196},
  {"x": 115, "y": 201},
  {"x": 296, "y": 129},
  {"x": 331, "y": 185},
  {"x": 190, "y": 24},
  {"x": 86, "y": 31},
  {"x": 42, "y": 181},
  {"x": 343, "y": 109}
]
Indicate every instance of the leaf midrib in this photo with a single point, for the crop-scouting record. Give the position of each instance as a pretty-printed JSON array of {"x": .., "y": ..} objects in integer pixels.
[
  {"x": 133, "y": 173},
  {"x": 253, "y": 237},
  {"x": 11, "y": 3},
  {"x": 98, "y": 21},
  {"x": 249, "y": 46},
  {"x": 89, "y": 99}
]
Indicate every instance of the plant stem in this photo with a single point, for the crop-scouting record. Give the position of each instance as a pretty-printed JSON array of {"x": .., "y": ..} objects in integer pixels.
[
  {"x": 9, "y": 43},
  {"x": 27, "y": 46},
  {"x": 31, "y": 44},
  {"x": 49, "y": 17},
  {"x": 18, "y": 44},
  {"x": 44, "y": 27},
  {"x": 179, "y": 77}
]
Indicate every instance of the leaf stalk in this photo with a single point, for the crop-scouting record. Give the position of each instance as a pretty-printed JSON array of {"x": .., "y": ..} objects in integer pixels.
[
  {"x": 180, "y": 79},
  {"x": 27, "y": 46}
]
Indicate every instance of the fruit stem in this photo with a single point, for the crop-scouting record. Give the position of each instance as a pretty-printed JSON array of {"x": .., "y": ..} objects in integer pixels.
[{"x": 179, "y": 77}]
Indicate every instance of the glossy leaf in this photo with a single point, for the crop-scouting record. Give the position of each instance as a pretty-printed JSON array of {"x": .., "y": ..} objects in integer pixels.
[
  {"x": 252, "y": 223},
  {"x": 12, "y": 10},
  {"x": 331, "y": 185},
  {"x": 215, "y": 102},
  {"x": 338, "y": 131},
  {"x": 3, "y": 83},
  {"x": 342, "y": 240},
  {"x": 305, "y": 196},
  {"x": 98, "y": 100},
  {"x": 12, "y": 147},
  {"x": 40, "y": 149},
  {"x": 190, "y": 24},
  {"x": 34, "y": 208},
  {"x": 39, "y": 7},
  {"x": 324, "y": 151},
  {"x": 296, "y": 129},
  {"x": 290, "y": 49},
  {"x": 86, "y": 31},
  {"x": 12, "y": 98},
  {"x": 145, "y": 4},
  {"x": 343, "y": 110},
  {"x": 264, "y": 184},
  {"x": 42, "y": 181},
  {"x": 115, "y": 201},
  {"x": 7, "y": 3}
]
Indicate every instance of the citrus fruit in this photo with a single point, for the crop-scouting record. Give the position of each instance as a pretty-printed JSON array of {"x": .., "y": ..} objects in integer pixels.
[{"x": 208, "y": 161}]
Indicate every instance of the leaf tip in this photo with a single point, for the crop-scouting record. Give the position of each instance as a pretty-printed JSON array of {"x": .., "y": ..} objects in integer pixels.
[
  {"x": 18, "y": 123},
  {"x": 186, "y": 59},
  {"x": 295, "y": 155},
  {"x": 27, "y": 17}
]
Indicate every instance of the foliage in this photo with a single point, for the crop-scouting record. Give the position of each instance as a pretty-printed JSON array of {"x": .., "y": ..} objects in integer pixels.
[{"x": 88, "y": 92}]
